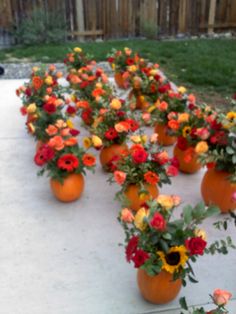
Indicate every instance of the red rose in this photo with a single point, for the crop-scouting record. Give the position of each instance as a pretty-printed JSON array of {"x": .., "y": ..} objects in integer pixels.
[
  {"x": 23, "y": 111},
  {"x": 182, "y": 143},
  {"x": 158, "y": 222},
  {"x": 71, "y": 110},
  {"x": 196, "y": 246},
  {"x": 139, "y": 156},
  {"x": 87, "y": 116},
  {"x": 133, "y": 124},
  {"x": 129, "y": 61},
  {"x": 120, "y": 114},
  {"x": 131, "y": 248},
  {"x": 164, "y": 88},
  {"x": 174, "y": 162},
  {"x": 157, "y": 77},
  {"x": 191, "y": 106},
  {"x": 84, "y": 84},
  {"x": 28, "y": 92},
  {"x": 140, "y": 258},
  {"x": 98, "y": 72},
  {"x": 49, "y": 108},
  {"x": 74, "y": 132},
  {"x": 153, "y": 88},
  {"x": 111, "y": 134},
  {"x": 216, "y": 125},
  {"x": 110, "y": 59},
  {"x": 172, "y": 171}
]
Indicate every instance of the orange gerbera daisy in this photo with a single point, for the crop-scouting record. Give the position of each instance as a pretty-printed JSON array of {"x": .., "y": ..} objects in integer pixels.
[
  {"x": 98, "y": 92},
  {"x": 151, "y": 177},
  {"x": 89, "y": 160},
  {"x": 37, "y": 82}
]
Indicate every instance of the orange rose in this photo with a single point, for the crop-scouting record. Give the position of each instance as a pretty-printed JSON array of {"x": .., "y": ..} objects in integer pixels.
[
  {"x": 52, "y": 67},
  {"x": 51, "y": 130},
  {"x": 56, "y": 142},
  {"x": 201, "y": 147},
  {"x": 98, "y": 92},
  {"x": 59, "y": 74},
  {"x": 65, "y": 132},
  {"x": 74, "y": 79},
  {"x": 119, "y": 177},
  {"x": 82, "y": 104},
  {"x": 126, "y": 215},
  {"x": 122, "y": 126},
  {"x": 37, "y": 82},
  {"x": 183, "y": 117},
  {"x": 89, "y": 160},
  {"x": 173, "y": 124},
  {"x": 221, "y": 297},
  {"x": 191, "y": 98},
  {"x": 71, "y": 141},
  {"x": 163, "y": 106}
]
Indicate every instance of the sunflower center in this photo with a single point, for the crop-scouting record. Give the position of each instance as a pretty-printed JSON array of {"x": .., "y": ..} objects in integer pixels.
[{"x": 173, "y": 258}]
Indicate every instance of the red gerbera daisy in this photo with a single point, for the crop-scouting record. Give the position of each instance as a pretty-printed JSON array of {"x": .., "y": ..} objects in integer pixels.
[{"x": 68, "y": 162}]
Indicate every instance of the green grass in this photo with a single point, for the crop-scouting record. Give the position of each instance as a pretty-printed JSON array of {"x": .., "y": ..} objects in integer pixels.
[{"x": 205, "y": 66}]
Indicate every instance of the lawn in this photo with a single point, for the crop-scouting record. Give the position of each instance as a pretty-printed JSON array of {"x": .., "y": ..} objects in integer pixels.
[{"x": 206, "y": 67}]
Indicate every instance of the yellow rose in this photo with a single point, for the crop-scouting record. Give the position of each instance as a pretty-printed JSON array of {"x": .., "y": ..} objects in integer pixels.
[
  {"x": 139, "y": 219},
  {"x": 70, "y": 124},
  {"x": 115, "y": 104},
  {"x": 201, "y": 233},
  {"x": 97, "y": 142},
  {"x": 165, "y": 201},
  {"x": 144, "y": 138},
  {"x": 183, "y": 117},
  {"x": 77, "y": 49},
  {"x": 182, "y": 90},
  {"x": 151, "y": 78},
  {"x": 113, "y": 66},
  {"x": 48, "y": 80},
  {"x": 132, "y": 68},
  {"x": 87, "y": 142},
  {"x": 136, "y": 139},
  {"x": 73, "y": 97},
  {"x": 201, "y": 147},
  {"x": 154, "y": 72},
  {"x": 31, "y": 108}
]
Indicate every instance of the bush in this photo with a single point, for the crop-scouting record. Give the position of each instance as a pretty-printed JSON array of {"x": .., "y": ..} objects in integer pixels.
[
  {"x": 41, "y": 27},
  {"x": 149, "y": 30}
]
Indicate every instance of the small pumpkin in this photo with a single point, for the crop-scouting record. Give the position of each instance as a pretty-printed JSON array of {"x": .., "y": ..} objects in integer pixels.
[
  {"x": 163, "y": 137},
  {"x": 71, "y": 188},
  {"x": 217, "y": 189},
  {"x": 136, "y": 199},
  {"x": 119, "y": 80},
  {"x": 187, "y": 167},
  {"x": 109, "y": 153},
  {"x": 159, "y": 289}
]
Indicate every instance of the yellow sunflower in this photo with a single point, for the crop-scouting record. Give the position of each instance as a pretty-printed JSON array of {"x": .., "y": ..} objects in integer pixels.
[
  {"x": 231, "y": 119},
  {"x": 139, "y": 219},
  {"x": 174, "y": 259},
  {"x": 186, "y": 131}
]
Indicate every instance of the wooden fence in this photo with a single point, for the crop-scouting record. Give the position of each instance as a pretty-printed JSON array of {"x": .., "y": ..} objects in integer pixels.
[{"x": 128, "y": 18}]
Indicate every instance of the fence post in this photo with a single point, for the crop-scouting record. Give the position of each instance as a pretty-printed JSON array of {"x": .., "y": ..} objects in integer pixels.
[
  {"x": 182, "y": 16},
  {"x": 211, "y": 19},
  {"x": 80, "y": 17}
]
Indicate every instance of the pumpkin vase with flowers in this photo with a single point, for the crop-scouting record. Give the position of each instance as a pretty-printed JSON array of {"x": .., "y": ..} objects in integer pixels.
[
  {"x": 139, "y": 172},
  {"x": 64, "y": 161},
  {"x": 163, "y": 248}
]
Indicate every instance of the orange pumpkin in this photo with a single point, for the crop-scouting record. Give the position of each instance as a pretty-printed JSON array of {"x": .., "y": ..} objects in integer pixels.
[
  {"x": 71, "y": 188},
  {"x": 217, "y": 189},
  {"x": 140, "y": 102},
  {"x": 159, "y": 289},
  {"x": 133, "y": 195},
  {"x": 119, "y": 80},
  {"x": 108, "y": 153},
  {"x": 163, "y": 137},
  {"x": 187, "y": 167}
]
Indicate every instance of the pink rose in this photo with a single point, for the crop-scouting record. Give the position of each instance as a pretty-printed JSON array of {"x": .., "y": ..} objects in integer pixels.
[
  {"x": 126, "y": 215},
  {"x": 158, "y": 222},
  {"x": 119, "y": 177},
  {"x": 172, "y": 171},
  {"x": 234, "y": 196},
  {"x": 221, "y": 297}
]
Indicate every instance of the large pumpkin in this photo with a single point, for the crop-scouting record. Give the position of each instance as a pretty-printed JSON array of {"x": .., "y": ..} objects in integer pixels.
[
  {"x": 109, "y": 153},
  {"x": 136, "y": 199},
  {"x": 187, "y": 167},
  {"x": 71, "y": 188},
  {"x": 159, "y": 289},
  {"x": 163, "y": 137},
  {"x": 140, "y": 101},
  {"x": 217, "y": 189}
]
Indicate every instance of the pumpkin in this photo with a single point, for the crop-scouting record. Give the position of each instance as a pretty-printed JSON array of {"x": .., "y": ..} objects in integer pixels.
[
  {"x": 108, "y": 153},
  {"x": 119, "y": 80},
  {"x": 159, "y": 289},
  {"x": 133, "y": 195},
  {"x": 217, "y": 189},
  {"x": 163, "y": 137},
  {"x": 71, "y": 188},
  {"x": 187, "y": 167}
]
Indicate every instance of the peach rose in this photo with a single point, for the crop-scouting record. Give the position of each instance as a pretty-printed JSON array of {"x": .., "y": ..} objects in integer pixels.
[
  {"x": 163, "y": 106},
  {"x": 52, "y": 67},
  {"x": 191, "y": 98},
  {"x": 65, "y": 132},
  {"x": 153, "y": 138},
  {"x": 146, "y": 117},
  {"x": 71, "y": 141},
  {"x": 201, "y": 147},
  {"x": 126, "y": 215},
  {"x": 56, "y": 142},
  {"x": 221, "y": 297},
  {"x": 119, "y": 177},
  {"x": 183, "y": 117},
  {"x": 60, "y": 124},
  {"x": 59, "y": 74},
  {"x": 51, "y": 130},
  {"x": 122, "y": 127}
]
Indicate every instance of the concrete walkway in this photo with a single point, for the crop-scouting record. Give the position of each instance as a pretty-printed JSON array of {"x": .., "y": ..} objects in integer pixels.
[{"x": 60, "y": 258}]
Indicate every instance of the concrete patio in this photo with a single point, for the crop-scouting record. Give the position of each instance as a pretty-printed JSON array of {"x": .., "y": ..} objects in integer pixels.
[{"x": 60, "y": 258}]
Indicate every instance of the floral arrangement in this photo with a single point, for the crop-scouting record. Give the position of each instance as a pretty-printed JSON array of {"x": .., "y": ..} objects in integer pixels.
[
  {"x": 146, "y": 163},
  {"x": 77, "y": 58},
  {"x": 42, "y": 100},
  {"x": 156, "y": 242},
  {"x": 62, "y": 155},
  {"x": 112, "y": 124},
  {"x": 220, "y": 299},
  {"x": 220, "y": 144}
]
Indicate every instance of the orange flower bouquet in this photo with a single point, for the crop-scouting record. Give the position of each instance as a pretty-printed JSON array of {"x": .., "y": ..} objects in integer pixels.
[
  {"x": 64, "y": 161},
  {"x": 77, "y": 59}
]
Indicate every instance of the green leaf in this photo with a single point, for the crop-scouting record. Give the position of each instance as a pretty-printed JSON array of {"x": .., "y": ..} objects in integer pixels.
[
  {"x": 183, "y": 303},
  {"x": 212, "y": 211},
  {"x": 167, "y": 236},
  {"x": 229, "y": 150},
  {"x": 187, "y": 214}
]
